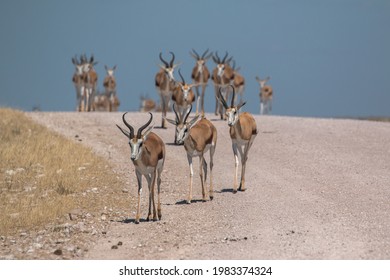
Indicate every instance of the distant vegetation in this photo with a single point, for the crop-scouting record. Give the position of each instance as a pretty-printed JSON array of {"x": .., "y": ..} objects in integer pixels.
[{"x": 43, "y": 176}]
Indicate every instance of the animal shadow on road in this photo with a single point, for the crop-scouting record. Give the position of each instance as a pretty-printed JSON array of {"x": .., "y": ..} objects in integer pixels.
[
  {"x": 184, "y": 201},
  {"x": 132, "y": 221}
]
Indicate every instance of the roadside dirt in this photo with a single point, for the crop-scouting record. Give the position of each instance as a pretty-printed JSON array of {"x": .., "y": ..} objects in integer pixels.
[{"x": 316, "y": 189}]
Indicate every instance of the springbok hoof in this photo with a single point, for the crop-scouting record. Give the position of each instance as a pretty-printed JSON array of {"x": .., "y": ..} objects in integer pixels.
[{"x": 136, "y": 222}]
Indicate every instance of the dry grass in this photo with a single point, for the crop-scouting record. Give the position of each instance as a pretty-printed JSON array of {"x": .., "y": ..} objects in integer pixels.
[{"x": 44, "y": 176}]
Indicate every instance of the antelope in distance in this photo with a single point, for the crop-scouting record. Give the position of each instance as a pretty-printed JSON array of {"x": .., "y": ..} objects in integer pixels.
[
  {"x": 183, "y": 96},
  {"x": 148, "y": 156},
  {"x": 90, "y": 79},
  {"x": 100, "y": 102},
  {"x": 78, "y": 81},
  {"x": 223, "y": 76},
  {"x": 200, "y": 77},
  {"x": 266, "y": 95},
  {"x": 165, "y": 84},
  {"x": 146, "y": 104},
  {"x": 243, "y": 131},
  {"x": 198, "y": 136},
  {"x": 109, "y": 84},
  {"x": 238, "y": 81}
]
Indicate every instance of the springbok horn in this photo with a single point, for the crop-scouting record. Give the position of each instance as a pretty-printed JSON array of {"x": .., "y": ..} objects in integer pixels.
[
  {"x": 224, "y": 58},
  {"x": 173, "y": 58},
  {"x": 181, "y": 76},
  {"x": 222, "y": 99},
  {"x": 234, "y": 93},
  {"x": 203, "y": 55},
  {"x": 129, "y": 126},
  {"x": 188, "y": 113},
  {"x": 174, "y": 110},
  {"x": 196, "y": 54},
  {"x": 144, "y": 126},
  {"x": 165, "y": 63}
]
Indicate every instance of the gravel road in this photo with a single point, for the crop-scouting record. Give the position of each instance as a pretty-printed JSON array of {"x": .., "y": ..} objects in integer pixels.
[{"x": 316, "y": 189}]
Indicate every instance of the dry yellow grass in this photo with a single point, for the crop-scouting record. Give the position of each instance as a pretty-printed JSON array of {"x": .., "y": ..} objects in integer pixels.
[{"x": 43, "y": 176}]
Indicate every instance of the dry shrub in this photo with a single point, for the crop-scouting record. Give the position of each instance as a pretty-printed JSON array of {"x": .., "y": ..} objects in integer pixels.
[{"x": 43, "y": 176}]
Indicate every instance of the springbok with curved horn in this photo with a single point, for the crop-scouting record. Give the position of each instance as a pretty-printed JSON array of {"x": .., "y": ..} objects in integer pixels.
[
  {"x": 90, "y": 80},
  {"x": 200, "y": 77},
  {"x": 109, "y": 84},
  {"x": 198, "y": 137},
  {"x": 148, "y": 156},
  {"x": 266, "y": 95},
  {"x": 183, "y": 96},
  {"x": 78, "y": 81},
  {"x": 243, "y": 131},
  {"x": 223, "y": 76},
  {"x": 165, "y": 84},
  {"x": 238, "y": 81}
]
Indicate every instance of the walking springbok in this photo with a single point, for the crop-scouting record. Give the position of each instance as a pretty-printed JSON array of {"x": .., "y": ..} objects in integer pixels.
[
  {"x": 78, "y": 81},
  {"x": 243, "y": 131},
  {"x": 165, "y": 84},
  {"x": 223, "y": 76},
  {"x": 183, "y": 96},
  {"x": 90, "y": 79},
  {"x": 238, "y": 81},
  {"x": 109, "y": 84},
  {"x": 148, "y": 156},
  {"x": 198, "y": 137},
  {"x": 266, "y": 95},
  {"x": 200, "y": 77}
]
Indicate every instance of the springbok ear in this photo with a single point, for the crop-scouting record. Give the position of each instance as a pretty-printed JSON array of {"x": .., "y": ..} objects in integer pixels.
[
  {"x": 146, "y": 134},
  {"x": 193, "y": 121},
  {"x": 123, "y": 131},
  {"x": 240, "y": 105},
  {"x": 171, "y": 121}
]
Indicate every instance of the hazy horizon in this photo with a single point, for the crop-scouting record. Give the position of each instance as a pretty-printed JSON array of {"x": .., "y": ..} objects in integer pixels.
[{"x": 325, "y": 58}]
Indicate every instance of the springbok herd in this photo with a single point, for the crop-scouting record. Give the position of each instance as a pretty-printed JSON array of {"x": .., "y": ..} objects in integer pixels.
[
  {"x": 198, "y": 135},
  {"x": 85, "y": 80}
]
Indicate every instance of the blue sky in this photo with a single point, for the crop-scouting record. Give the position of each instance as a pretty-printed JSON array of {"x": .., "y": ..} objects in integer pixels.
[{"x": 325, "y": 58}]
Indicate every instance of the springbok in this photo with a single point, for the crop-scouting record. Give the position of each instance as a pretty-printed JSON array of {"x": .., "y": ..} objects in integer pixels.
[
  {"x": 165, "y": 84},
  {"x": 100, "y": 102},
  {"x": 78, "y": 81},
  {"x": 200, "y": 77},
  {"x": 90, "y": 80},
  {"x": 238, "y": 81},
  {"x": 223, "y": 76},
  {"x": 266, "y": 95},
  {"x": 148, "y": 156},
  {"x": 198, "y": 136},
  {"x": 183, "y": 96},
  {"x": 243, "y": 131},
  {"x": 109, "y": 84},
  {"x": 146, "y": 104}
]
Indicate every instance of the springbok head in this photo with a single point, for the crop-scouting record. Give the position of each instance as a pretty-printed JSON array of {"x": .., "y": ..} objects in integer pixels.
[
  {"x": 221, "y": 64},
  {"x": 79, "y": 66},
  {"x": 87, "y": 64},
  {"x": 186, "y": 88},
  {"x": 262, "y": 82},
  {"x": 110, "y": 71},
  {"x": 201, "y": 60},
  {"x": 136, "y": 141},
  {"x": 232, "y": 112},
  {"x": 168, "y": 67},
  {"x": 182, "y": 126}
]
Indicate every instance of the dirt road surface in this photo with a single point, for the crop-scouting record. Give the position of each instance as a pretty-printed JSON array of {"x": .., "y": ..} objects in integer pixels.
[{"x": 316, "y": 189}]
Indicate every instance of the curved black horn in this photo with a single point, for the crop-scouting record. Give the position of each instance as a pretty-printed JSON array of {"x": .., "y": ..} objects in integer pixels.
[
  {"x": 144, "y": 126},
  {"x": 224, "y": 58},
  {"x": 196, "y": 54},
  {"x": 223, "y": 101},
  {"x": 218, "y": 59},
  {"x": 173, "y": 58},
  {"x": 234, "y": 93},
  {"x": 165, "y": 63},
  {"x": 174, "y": 110},
  {"x": 181, "y": 76},
  {"x": 189, "y": 111},
  {"x": 128, "y": 125},
  {"x": 204, "y": 54}
]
